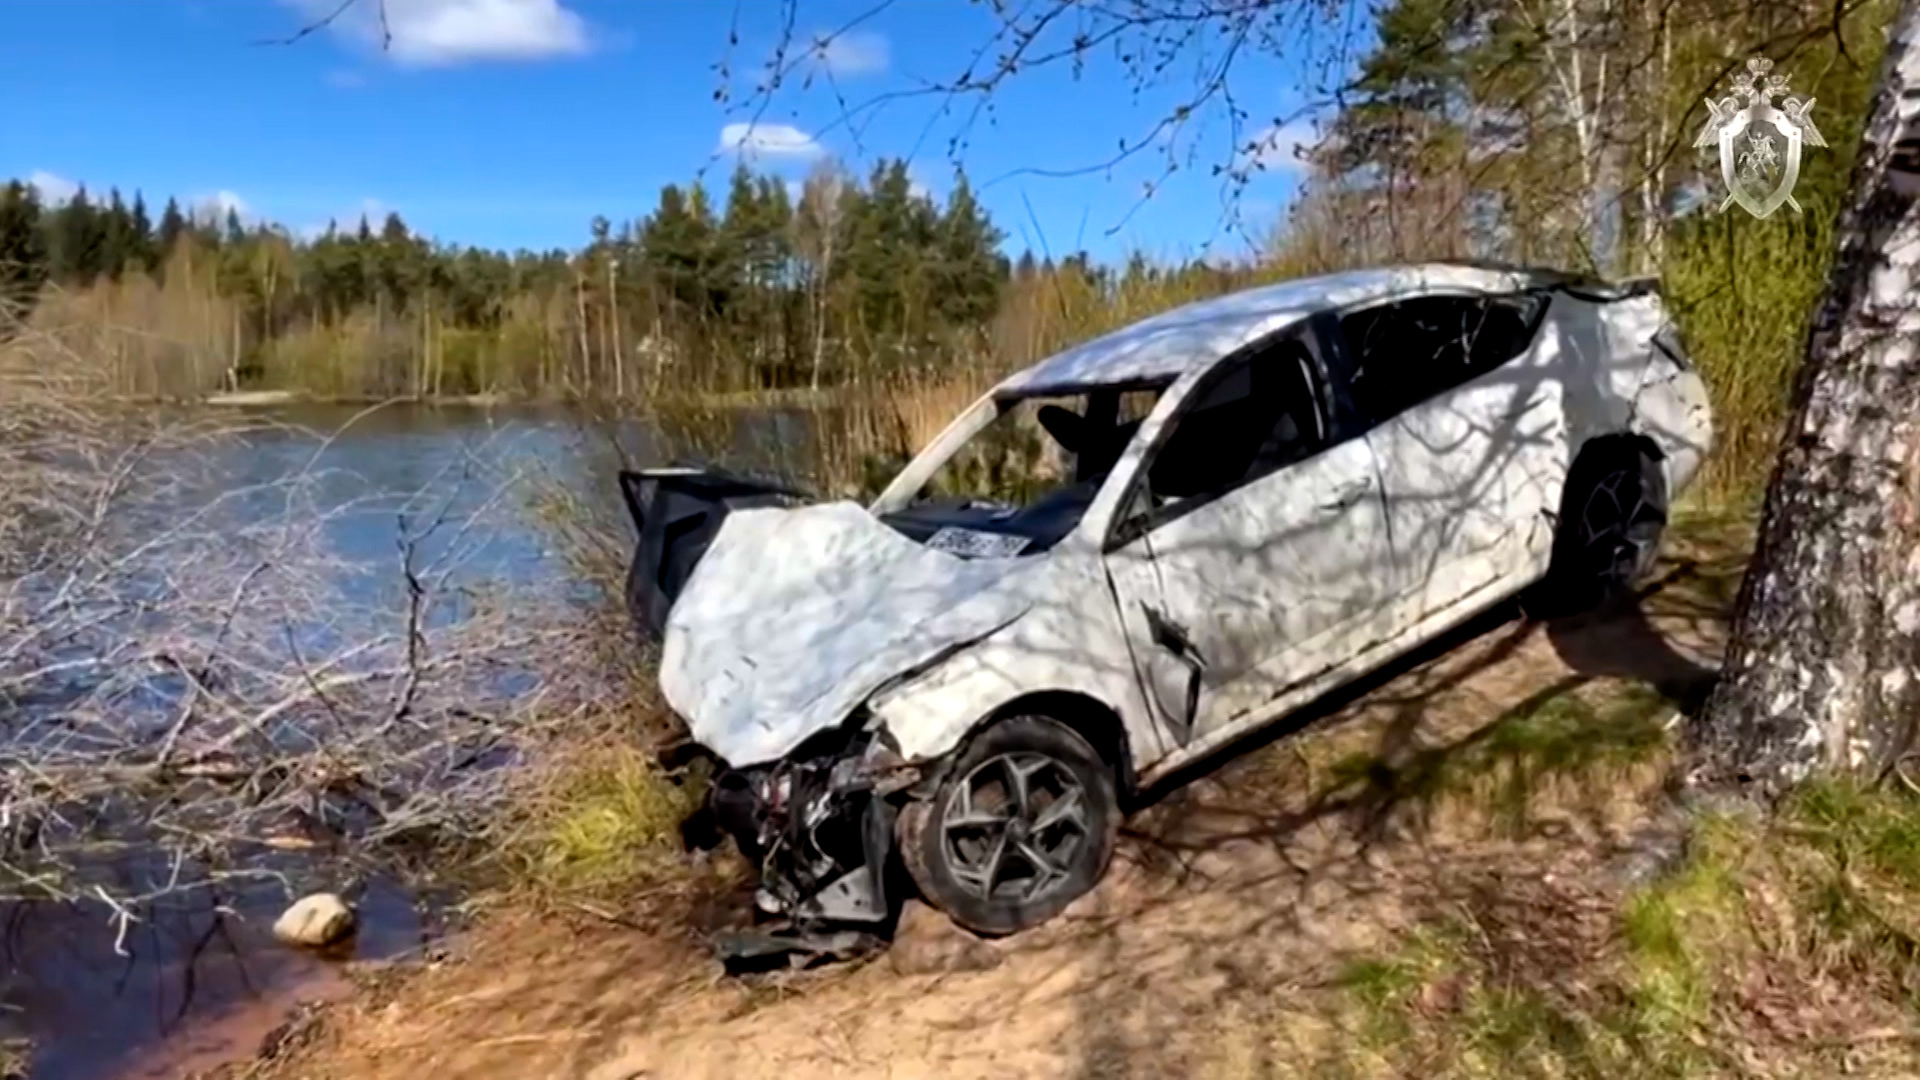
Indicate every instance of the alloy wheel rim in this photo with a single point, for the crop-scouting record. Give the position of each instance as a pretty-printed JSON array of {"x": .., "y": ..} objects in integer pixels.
[
  {"x": 1615, "y": 549},
  {"x": 1014, "y": 827}
]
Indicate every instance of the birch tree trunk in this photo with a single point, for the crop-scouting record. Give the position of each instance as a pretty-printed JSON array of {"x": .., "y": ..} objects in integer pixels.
[{"x": 1824, "y": 667}]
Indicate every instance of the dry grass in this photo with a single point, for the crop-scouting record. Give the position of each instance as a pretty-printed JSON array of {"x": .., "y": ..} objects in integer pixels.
[
  {"x": 190, "y": 666},
  {"x": 850, "y": 443},
  {"x": 1569, "y": 748},
  {"x": 1779, "y": 947},
  {"x": 144, "y": 340},
  {"x": 599, "y": 818},
  {"x": 185, "y": 340}
]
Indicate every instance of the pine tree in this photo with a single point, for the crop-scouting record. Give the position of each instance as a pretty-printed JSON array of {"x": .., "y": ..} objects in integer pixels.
[
  {"x": 970, "y": 268},
  {"x": 738, "y": 227},
  {"x": 23, "y": 254},
  {"x": 892, "y": 239},
  {"x": 398, "y": 265},
  {"x": 116, "y": 235},
  {"x": 853, "y": 270},
  {"x": 173, "y": 225},
  {"x": 77, "y": 241},
  {"x": 141, "y": 249},
  {"x": 676, "y": 243}
]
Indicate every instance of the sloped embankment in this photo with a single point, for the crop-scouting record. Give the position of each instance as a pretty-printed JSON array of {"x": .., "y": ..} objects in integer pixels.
[{"x": 1443, "y": 876}]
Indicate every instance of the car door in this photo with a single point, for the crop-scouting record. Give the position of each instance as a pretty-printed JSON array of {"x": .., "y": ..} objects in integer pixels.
[
  {"x": 1469, "y": 433},
  {"x": 1247, "y": 554}
]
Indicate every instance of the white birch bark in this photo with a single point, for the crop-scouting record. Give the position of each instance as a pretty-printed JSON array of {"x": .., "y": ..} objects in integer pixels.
[
  {"x": 1579, "y": 83},
  {"x": 1824, "y": 668}
]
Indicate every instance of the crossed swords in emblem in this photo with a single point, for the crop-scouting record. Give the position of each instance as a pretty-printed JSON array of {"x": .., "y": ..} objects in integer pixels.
[{"x": 1754, "y": 92}]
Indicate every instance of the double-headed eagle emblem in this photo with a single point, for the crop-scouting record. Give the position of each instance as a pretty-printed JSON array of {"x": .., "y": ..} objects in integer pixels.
[{"x": 1759, "y": 144}]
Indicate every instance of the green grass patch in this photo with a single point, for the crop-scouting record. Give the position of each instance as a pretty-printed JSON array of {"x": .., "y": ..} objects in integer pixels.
[
  {"x": 604, "y": 821},
  {"x": 1852, "y": 861},
  {"x": 1442, "y": 1005},
  {"x": 1387, "y": 988},
  {"x": 1808, "y": 914},
  {"x": 1677, "y": 930}
]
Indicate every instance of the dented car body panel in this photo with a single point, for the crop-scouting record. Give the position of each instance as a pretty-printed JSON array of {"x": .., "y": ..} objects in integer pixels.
[
  {"x": 795, "y": 616},
  {"x": 1331, "y": 472}
]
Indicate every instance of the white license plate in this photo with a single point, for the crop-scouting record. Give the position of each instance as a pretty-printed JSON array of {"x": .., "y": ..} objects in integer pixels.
[{"x": 973, "y": 544}]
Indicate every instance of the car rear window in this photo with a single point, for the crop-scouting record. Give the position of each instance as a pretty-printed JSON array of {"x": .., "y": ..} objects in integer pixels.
[{"x": 1407, "y": 352}]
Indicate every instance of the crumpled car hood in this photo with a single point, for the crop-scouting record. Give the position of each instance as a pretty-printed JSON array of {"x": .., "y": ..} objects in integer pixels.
[{"x": 793, "y": 617}]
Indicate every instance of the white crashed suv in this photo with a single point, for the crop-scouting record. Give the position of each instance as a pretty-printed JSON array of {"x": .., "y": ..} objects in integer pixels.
[{"x": 1138, "y": 551}]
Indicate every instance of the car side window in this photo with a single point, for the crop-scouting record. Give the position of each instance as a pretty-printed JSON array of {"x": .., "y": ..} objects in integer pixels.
[
  {"x": 1256, "y": 414},
  {"x": 1506, "y": 329},
  {"x": 1404, "y": 353}
]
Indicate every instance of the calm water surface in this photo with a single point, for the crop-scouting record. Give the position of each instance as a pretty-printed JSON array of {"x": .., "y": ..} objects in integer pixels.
[{"x": 198, "y": 986}]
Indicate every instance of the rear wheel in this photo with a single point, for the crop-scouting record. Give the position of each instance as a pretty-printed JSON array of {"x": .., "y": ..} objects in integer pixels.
[
  {"x": 1024, "y": 824},
  {"x": 1612, "y": 518}
]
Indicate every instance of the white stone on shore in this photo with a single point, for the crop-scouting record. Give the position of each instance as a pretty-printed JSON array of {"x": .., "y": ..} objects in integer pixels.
[{"x": 315, "y": 921}]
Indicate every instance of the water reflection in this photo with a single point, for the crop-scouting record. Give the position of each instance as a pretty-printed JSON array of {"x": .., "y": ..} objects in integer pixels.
[{"x": 200, "y": 980}]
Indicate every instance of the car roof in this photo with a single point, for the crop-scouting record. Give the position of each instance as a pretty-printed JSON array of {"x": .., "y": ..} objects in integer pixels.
[{"x": 1166, "y": 346}]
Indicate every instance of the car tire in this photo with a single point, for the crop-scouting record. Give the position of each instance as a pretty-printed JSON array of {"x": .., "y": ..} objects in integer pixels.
[
  {"x": 1612, "y": 518},
  {"x": 1023, "y": 824}
]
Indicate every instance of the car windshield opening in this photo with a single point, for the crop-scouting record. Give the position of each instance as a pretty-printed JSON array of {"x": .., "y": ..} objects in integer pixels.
[
  {"x": 1255, "y": 415},
  {"x": 1023, "y": 481}
]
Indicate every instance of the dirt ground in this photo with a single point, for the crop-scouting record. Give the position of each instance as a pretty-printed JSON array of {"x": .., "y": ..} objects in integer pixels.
[{"x": 1235, "y": 901}]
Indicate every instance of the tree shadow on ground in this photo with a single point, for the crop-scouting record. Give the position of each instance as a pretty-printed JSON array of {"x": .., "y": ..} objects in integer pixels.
[
  {"x": 1491, "y": 766},
  {"x": 1507, "y": 748}
]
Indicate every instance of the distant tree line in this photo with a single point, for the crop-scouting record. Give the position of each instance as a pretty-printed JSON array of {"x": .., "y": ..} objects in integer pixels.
[{"x": 779, "y": 289}]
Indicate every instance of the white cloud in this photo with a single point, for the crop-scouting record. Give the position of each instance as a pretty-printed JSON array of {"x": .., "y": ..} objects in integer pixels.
[
  {"x": 52, "y": 190},
  {"x": 439, "y": 33},
  {"x": 1278, "y": 149},
  {"x": 851, "y": 53},
  {"x": 214, "y": 208},
  {"x": 768, "y": 140},
  {"x": 370, "y": 210}
]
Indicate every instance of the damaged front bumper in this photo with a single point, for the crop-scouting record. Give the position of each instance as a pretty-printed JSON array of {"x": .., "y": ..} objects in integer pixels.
[{"x": 819, "y": 824}]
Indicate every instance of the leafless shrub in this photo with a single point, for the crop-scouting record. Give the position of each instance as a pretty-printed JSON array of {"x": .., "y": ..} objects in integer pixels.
[{"x": 192, "y": 671}]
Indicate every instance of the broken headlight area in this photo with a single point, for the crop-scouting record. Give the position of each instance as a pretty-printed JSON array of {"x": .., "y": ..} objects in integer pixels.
[{"x": 819, "y": 825}]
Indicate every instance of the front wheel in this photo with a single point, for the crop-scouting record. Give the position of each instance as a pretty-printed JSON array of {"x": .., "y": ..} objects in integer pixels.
[
  {"x": 1024, "y": 824},
  {"x": 1612, "y": 520}
]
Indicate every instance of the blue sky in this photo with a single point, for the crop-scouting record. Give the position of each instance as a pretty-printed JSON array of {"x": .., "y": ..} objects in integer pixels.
[{"x": 510, "y": 123}]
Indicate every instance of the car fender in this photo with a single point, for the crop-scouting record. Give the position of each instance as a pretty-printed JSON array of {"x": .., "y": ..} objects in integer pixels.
[
  {"x": 1654, "y": 391},
  {"x": 1070, "y": 647},
  {"x": 1618, "y": 380}
]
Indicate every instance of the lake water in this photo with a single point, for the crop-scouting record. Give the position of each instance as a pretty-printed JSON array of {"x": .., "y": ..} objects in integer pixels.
[{"x": 199, "y": 985}]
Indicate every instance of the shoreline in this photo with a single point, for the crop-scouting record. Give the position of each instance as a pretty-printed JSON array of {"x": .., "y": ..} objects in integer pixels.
[
  {"x": 801, "y": 397},
  {"x": 727, "y": 399},
  {"x": 263, "y": 398}
]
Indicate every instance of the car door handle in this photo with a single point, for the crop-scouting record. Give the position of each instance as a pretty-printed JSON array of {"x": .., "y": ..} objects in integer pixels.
[{"x": 1348, "y": 495}]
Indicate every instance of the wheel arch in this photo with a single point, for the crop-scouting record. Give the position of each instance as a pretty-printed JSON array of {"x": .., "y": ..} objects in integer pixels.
[
  {"x": 1613, "y": 444},
  {"x": 1100, "y": 724},
  {"x": 1090, "y": 718},
  {"x": 1555, "y": 592},
  {"x": 935, "y": 713}
]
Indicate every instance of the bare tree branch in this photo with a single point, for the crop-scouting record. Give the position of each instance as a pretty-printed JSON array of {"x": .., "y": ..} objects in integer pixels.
[
  {"x": 306, "y": 30},
  {"x": 189, "y": 667}
]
